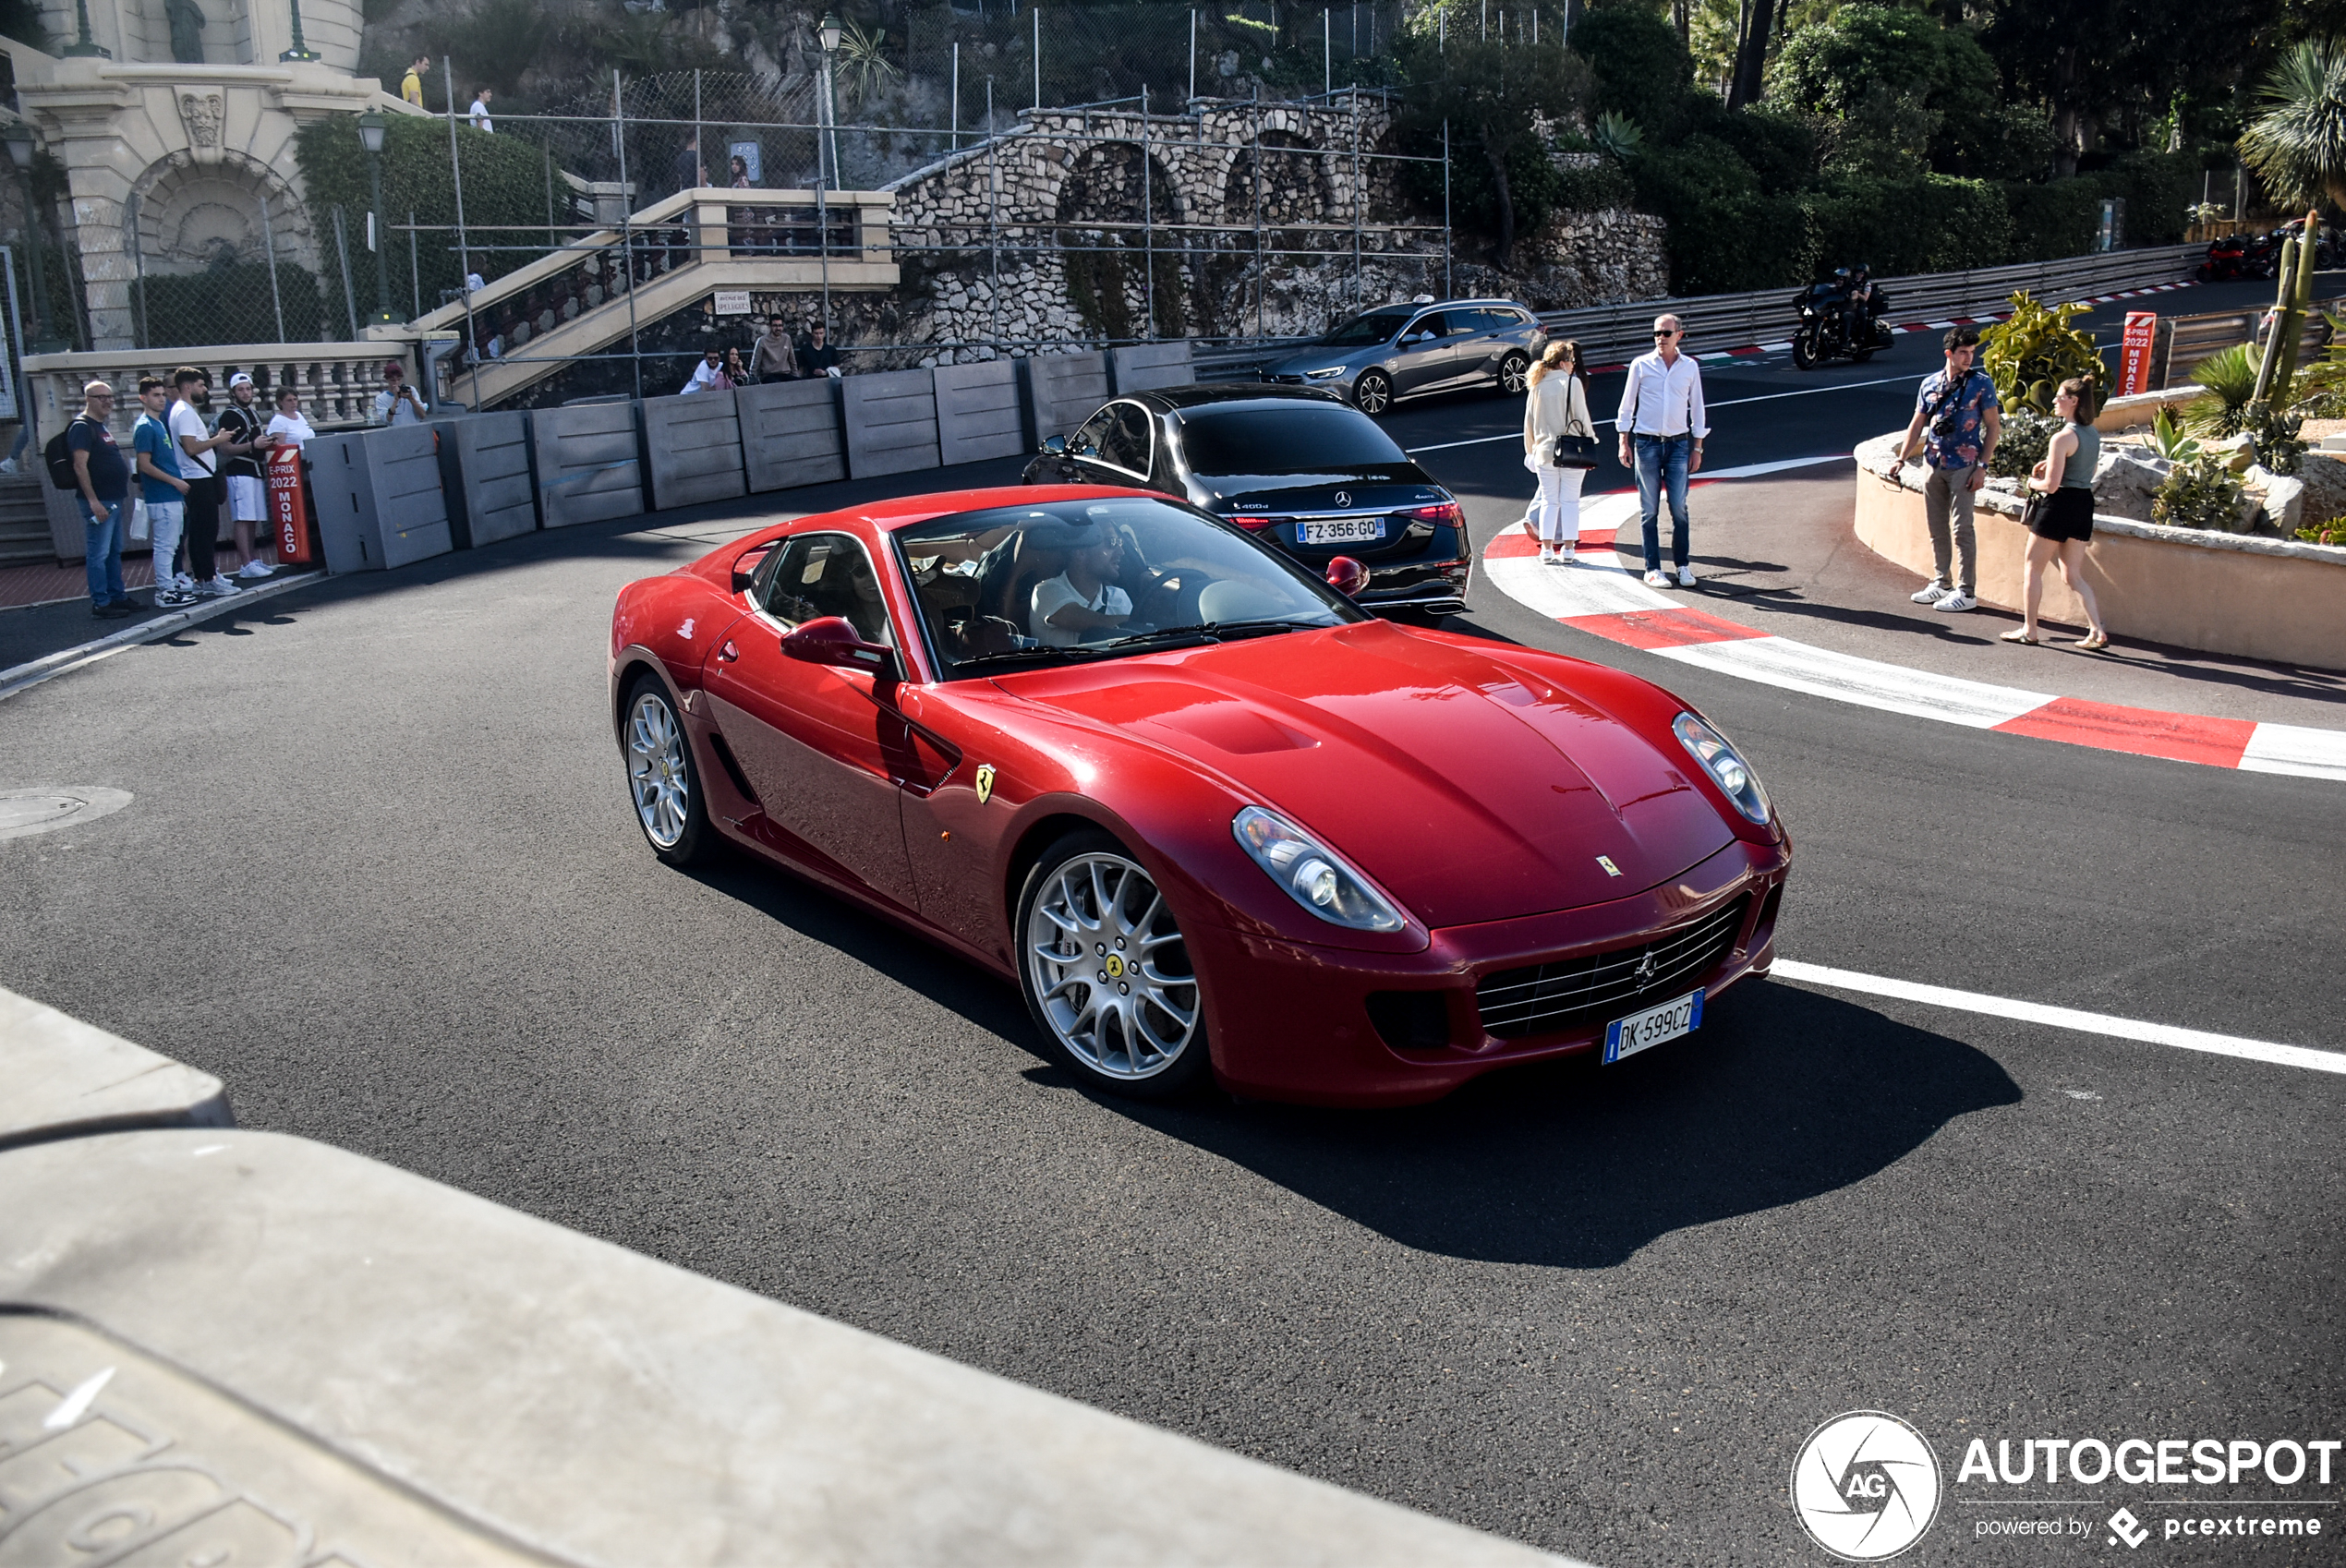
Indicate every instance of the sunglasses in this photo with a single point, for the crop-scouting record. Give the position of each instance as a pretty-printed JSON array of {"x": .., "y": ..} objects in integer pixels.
[{"x": 1665, "y": 334}]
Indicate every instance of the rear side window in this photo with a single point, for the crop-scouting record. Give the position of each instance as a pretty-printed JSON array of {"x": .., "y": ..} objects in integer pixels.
[
  {"x": 1129, "y": 437},
  {"x": 1307, "y": 437}
]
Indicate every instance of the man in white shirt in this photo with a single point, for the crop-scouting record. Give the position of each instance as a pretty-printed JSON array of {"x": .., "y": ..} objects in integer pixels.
[
  {"x": 479, "y": 112},
  {"x": 397, "y": 404},
  {"x": 709, "y": 373},
  {"x": 1661, "y": 425},
  {"x": 1069, "y": 609},
  {"x": 200, "y": 468}
]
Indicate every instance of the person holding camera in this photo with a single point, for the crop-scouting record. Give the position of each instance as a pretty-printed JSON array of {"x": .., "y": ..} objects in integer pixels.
[{"x": 1957, "y": 423}]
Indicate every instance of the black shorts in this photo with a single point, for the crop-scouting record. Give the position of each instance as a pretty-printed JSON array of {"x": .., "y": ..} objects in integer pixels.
[{"x": 2067, "y": 513}]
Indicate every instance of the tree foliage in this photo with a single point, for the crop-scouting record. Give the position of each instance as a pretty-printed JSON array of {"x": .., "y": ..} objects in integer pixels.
[
  {"x": 1496, "y": 98},
  {"x": 2298, "y": 145}
]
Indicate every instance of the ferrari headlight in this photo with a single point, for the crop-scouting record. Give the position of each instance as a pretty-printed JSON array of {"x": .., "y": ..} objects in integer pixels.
[
  {"x": 1312, "y": 873},
  {"x": 1726, "y": 768},
  {"x": 1324, "y": 375}
]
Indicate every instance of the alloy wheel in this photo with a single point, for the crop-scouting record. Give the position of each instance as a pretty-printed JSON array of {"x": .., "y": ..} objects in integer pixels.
[
  {"x": 1106, "y": 965},
  {"x": 656, "y": 775},
  {"x": 1372, "y": 394}
]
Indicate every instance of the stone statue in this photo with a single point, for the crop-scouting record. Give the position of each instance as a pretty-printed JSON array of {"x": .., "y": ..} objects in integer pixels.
[{"x": 186, "y": 31}]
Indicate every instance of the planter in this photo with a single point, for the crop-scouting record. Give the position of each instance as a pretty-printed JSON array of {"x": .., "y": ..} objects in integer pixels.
[{"x": 2233, "y": 594}]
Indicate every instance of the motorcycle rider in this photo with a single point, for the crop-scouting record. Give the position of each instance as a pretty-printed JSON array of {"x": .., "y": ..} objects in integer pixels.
[{"x": 1861, "y": 302}]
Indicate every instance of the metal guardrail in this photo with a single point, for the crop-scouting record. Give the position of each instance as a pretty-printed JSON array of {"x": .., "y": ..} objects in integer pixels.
[{"x": 1608, "y": 334}]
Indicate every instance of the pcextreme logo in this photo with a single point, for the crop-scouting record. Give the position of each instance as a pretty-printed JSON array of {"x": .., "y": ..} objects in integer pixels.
[{"x": 1865, "y": 1486}]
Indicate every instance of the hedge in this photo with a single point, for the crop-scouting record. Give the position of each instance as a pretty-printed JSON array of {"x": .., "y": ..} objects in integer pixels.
[
  {"x": 234, "y": 304},
  {"x": 504, "y": 185}
]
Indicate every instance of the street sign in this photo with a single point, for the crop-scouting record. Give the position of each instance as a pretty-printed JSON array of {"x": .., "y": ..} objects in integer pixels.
[
  {"x": 2134, "y": 357},
  {"x": 287, "y": 512},
  {"x": 732, "y": 302}
]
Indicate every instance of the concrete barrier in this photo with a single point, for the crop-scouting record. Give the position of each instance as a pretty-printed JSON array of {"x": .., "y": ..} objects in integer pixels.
[
  {"x": 379, "y": 498},
  {"x": 62, "y": 1078},
  {"x": 890, "y": 420},
  {"x": 485, "y": 472},
  {"x": 1064, "y": 389},
  {"x": 589, "y": 462},
  {"x": 694, "y": 444},
  {"x": 233, "y": 1345},
  {"x": 1146, "y": 364},
  {"x": 790, "y": 434},
  {"x": 979, "y": 412},
  {"x": 2238, "y": 594}
]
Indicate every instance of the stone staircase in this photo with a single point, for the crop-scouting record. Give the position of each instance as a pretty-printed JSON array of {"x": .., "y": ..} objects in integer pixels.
[{"x": 24, "y": 521}]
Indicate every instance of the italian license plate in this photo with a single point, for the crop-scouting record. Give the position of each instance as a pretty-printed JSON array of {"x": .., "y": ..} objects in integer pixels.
[
  {"x": 1627, "y": 1037},
  {"x": 1341, "y": 531}
]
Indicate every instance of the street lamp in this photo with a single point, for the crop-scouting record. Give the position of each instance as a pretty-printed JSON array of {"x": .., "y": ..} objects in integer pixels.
[
  {"x": 301, "y": 50},
  {"x": 84, "y": 46},
  {"x": 828, "y": 34},
  {"x": 20, "y": 135},
  {"x": 371, "y": 126}
]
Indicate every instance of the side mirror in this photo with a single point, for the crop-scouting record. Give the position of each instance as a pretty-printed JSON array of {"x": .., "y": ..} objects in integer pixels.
[
  {"x": 1347, "y": 576},
  {"x": 831, "y": 639},
  {"x": 1054, "y": 446}
]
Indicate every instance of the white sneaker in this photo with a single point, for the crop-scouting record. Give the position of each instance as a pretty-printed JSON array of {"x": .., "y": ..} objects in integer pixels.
[
  {"x": 1955, "y": 603},
  {"x": 1685, "y": 577},
  {"x": 252, "y": 570},
  {"x": 1656, "y": 580},
  {"x": 184, "y": 582},
  {"x": 216, "y": 586},
  {"x": 1929, "y": 592}
]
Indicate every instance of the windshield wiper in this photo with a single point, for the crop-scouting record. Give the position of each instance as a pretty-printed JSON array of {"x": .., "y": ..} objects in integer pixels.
[
  {"x": 1043, "y": 655},
  {"x": 1217, "y": 630}
]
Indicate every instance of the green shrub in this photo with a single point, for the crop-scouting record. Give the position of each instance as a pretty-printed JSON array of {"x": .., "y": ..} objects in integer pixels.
[
  {"x": 1641, "y": 69},
  {"x": 2202, "y": 493},
  {"x": 1593, "y": 190},
  {"x": 1927, "y": 223},
  {"x": 231, "y": 303},
  {"x": 504, "y": 185},
  {"x": 2229, "y": 375},
  {"x": 2275, "y": 432},
  {"x": 2030, "y": 353},
  {"x": 2053, "y": 219},
  {"x": 1726, "y": 234},
  {"x": 2026, "y": 438}
]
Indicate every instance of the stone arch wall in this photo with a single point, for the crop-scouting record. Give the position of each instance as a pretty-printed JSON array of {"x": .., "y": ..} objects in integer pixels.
[
  {"x": 1114, "y": 182},
  {"x": 193, "y": 214},
  {"x": 1295, "y": 182}
]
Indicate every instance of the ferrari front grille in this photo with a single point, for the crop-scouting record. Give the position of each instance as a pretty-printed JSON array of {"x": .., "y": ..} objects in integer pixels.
[{"x": 1602, "y": 986}]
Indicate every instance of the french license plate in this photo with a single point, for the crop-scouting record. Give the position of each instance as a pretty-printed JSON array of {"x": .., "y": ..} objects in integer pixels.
[
  {"x": 1340, "y": 531},
  {"x": 1627, "y": 1037}
]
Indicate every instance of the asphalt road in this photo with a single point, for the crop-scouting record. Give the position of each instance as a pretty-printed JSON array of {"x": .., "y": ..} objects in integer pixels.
[{"x": 381, "y": 876}]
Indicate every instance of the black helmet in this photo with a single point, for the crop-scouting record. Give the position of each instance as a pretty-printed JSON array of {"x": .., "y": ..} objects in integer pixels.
[
  {"x": 1842, "y": 273},
  {"x": 1863, "y": 269}
]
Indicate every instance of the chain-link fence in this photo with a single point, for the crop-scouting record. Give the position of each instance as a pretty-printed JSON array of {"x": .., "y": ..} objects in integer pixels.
[{"x": 872, "y": 111}]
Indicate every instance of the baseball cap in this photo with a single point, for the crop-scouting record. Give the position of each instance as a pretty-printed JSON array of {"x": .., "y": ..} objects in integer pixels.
[{"x": 239, "y": 379}]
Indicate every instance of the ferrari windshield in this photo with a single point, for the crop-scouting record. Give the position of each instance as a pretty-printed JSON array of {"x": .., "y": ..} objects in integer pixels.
[
  {"x": 1076, "y": 580},
  {"x": 1366, "y": 332}
]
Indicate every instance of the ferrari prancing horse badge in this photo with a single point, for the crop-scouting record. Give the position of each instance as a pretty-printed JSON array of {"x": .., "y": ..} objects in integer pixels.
[{"x": 984, "y": 782}]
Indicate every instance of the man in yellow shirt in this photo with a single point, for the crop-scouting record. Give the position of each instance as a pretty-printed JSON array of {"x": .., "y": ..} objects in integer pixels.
[{"x": 411, "y": 86}]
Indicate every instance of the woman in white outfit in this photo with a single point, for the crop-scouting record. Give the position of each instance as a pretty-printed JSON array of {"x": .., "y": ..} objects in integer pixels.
[{"x": 1556, "y": 406}]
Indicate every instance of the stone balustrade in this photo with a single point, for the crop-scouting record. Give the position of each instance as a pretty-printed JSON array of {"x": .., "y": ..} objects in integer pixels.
[{"x": 338, "y": 381}]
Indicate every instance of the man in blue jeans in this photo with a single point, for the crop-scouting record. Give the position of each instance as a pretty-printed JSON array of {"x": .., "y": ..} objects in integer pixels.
[
  {"x": 1661, "y": 425},
  {"x": 103, "y": 484}
]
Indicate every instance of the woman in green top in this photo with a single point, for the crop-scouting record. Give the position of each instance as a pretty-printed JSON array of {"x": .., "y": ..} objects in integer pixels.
[{"x": 2063, "y": 523}]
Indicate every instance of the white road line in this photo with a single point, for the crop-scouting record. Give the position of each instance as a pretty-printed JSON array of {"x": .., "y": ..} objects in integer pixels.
[
  {"x": 1730, "y": 403},
  {"x": 2287, "y": 748},
  {"x": 1823, "y": 672},
  {"x": 2064, "y": 1018}
]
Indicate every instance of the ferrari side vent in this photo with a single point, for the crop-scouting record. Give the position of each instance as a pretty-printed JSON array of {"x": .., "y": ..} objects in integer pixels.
[
  {"x": 1598, "y": 987},
  {"x": 1412, "y": 1021},
  {"x": 733, "y": 770}
]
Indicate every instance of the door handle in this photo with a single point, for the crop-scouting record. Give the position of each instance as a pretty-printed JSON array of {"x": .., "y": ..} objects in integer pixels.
[{"x": 729, "y": 653}]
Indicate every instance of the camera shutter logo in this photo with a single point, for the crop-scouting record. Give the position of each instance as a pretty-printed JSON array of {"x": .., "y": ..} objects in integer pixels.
[{"x": 1865, "y": 1486}]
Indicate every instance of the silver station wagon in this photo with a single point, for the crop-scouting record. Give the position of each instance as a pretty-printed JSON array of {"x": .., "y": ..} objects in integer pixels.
[{"x": 1399, "y": 351}]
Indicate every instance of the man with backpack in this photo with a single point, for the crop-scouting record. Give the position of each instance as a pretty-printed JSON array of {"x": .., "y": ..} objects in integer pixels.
[{"x": 85, "y": 458}]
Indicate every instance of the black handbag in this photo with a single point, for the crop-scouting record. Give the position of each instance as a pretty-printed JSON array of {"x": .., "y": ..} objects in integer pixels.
[{"x": 1573, "y": 451}]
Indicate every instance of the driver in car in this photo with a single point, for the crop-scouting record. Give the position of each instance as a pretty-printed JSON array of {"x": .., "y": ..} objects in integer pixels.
[{"x": 1083, "y": 599}]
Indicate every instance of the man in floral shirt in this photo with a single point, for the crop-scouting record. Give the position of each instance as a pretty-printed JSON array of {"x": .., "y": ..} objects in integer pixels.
[{"x": 1958, "y": 422}]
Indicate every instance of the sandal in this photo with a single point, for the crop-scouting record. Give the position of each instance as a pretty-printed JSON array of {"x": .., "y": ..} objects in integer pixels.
[
  {"x": 2093, "y": 642},
  {"x": 2019, "y": 634}
]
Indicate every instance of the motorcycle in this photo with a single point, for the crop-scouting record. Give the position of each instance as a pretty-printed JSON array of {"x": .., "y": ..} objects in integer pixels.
[{"x": 1835, "y": 327}]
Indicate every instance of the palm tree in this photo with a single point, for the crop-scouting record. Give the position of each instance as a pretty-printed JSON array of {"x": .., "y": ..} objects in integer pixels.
[{"x": 2298, "y": 146}]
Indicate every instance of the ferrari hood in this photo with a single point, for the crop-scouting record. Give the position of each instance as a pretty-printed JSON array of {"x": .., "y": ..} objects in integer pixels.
[{"x": 1470, "y": 791}]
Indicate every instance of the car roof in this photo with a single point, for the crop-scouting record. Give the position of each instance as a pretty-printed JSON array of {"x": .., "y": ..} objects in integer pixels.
[
  {"x": 1441, "y": 304},
  {"x": 1168, "y": 400}
]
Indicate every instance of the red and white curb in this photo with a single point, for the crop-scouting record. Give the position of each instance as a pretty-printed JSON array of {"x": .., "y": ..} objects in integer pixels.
[
  {"x": 1750, "y": 350},
  {"x": 1613, "y": 602}
]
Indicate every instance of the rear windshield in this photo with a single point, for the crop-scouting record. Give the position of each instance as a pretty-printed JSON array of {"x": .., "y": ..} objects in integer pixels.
[{"x": 1301, "y": 437}]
